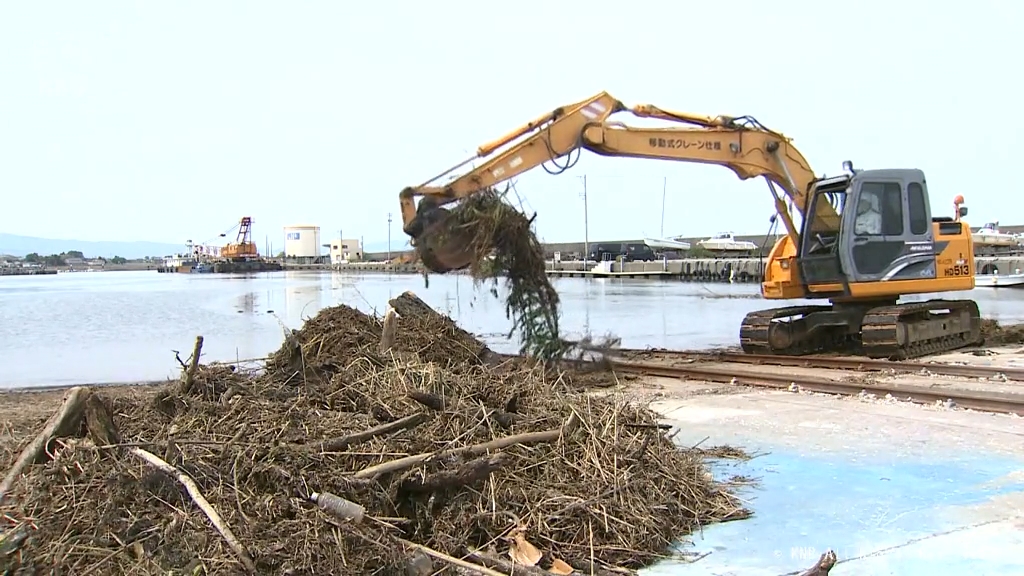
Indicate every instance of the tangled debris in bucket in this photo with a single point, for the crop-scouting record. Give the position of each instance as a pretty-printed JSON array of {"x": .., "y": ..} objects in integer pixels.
[
  {"x": 421, "y": 452},
  {"x": 503, "y": 244}
]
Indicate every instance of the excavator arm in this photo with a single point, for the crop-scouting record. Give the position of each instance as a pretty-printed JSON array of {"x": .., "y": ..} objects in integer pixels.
[{"x": 740, "y": 144}]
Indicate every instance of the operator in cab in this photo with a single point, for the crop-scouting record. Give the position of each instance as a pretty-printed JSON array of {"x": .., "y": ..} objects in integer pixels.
[{"x": 869, "y": 217}]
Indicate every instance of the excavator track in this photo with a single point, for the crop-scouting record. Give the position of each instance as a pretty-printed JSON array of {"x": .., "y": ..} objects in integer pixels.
[
  {"x": 895, "y": 332},
  {"x": 762, "y": 332},
  {"x": 916, "y": 329}
]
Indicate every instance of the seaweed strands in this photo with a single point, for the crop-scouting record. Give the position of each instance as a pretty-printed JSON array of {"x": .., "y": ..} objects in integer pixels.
[
  {"x": 454, "y": 457},
  {"x": 502, "y": 244}
]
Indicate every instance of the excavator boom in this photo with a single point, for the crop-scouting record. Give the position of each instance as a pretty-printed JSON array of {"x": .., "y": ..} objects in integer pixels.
[{"x": 740, "y": 144}]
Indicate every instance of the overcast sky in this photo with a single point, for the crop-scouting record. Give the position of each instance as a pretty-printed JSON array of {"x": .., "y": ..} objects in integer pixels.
[{"x": 167, "y": 121}]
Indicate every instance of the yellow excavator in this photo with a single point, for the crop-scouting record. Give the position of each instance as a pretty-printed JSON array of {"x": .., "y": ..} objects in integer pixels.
[{"x": 865, "y": 238}]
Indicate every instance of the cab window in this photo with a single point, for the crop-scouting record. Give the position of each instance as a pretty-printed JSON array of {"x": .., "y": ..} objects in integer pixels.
[
  {"x": 918, "y": 209},
  {"x": 879, "y": 210}
]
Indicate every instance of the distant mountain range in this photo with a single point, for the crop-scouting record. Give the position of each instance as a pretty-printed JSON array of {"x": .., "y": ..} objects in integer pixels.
[{"x": 16, "y": 245}]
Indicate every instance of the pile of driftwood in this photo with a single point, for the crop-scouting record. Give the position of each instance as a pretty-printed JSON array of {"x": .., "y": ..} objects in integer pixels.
[{"x": 394, "y": 445}]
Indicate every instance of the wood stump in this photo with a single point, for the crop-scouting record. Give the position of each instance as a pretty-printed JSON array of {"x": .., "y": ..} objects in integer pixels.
[
  {"x": 414, "y": 310},
  {"x": 66, "y": 421}
]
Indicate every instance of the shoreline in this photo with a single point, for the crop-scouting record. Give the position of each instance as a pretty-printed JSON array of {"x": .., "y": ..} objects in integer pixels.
[{"x": 66, "y": 387}]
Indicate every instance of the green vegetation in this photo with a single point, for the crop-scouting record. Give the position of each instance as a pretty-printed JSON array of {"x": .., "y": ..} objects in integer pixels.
[
  {"x": 55, "y": 260},
  {"x": 51, "y": 260}
]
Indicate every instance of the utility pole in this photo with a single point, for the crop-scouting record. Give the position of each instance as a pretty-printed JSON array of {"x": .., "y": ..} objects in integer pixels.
[
  {"x": 586, "y": 224},
  {"x": 389, "y": 236},
  {"x": 664, "y": 187}
]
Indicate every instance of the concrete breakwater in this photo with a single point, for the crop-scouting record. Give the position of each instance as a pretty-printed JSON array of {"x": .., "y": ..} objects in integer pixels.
[
  {"x": 27, "y": 271},
  {"x": 691, "y": 269}
]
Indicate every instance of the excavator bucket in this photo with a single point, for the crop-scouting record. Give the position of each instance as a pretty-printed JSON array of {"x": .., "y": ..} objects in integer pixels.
[{"x": 439, "y": 248}]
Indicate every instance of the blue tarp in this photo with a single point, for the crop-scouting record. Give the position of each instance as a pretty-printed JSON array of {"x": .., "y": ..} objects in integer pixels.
[{"x": 881, "y": 515}]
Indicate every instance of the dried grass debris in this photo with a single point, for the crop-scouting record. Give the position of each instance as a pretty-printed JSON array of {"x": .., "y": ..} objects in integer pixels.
[
  {"x": 996, "y": 334},
  {"x": 607, "y": 484}
]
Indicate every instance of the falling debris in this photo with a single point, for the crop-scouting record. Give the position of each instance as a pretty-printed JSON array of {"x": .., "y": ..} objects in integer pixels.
[{"x": 502, "y": 244}]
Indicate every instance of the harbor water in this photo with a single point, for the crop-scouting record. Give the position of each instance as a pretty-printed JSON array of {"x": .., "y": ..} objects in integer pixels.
[{"x": 125, "y": 326}]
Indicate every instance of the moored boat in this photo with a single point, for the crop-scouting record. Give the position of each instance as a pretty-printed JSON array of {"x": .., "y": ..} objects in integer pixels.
[{"x": 726, "y": 242}]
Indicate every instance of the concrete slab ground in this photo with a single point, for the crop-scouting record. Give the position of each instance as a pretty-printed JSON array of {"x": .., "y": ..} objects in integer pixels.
[{"x": 892, "y": 487}]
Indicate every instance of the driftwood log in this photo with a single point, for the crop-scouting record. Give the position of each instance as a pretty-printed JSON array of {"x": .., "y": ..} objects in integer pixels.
[
  {"x": 407, "y": 462},
  {"x": 823, "y": 566},
  {"x": 433, "y": 401},
  {"x": 387, "y": 335},
  {"x": 439, "y": 403},
  {"x": 66, "y": 421},
  {"x": 464, "y": 475},
  {"x": 203, "y": 504},
  {"x": 340, "y": 443},
  {"x": 99, "y": 421},
  {"x": 188, "y": 376},
  {"x": 409, "y": 306}
]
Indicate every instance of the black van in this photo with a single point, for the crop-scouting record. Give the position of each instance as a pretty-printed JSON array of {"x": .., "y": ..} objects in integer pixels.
[
  {"x": 601, "y": 252},
  {"x": 637, "y": 252},
  {"x": 630, "y": 251}
]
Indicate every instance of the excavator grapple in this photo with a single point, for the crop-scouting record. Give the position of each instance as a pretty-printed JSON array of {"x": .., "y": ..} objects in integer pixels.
[{"x": 438, "y": 245}]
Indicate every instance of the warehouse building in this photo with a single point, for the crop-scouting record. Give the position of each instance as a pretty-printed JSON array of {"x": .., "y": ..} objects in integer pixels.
[{"x": 343, "y": 251}]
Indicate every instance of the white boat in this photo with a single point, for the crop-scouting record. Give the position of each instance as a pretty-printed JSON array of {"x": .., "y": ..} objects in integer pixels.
[
  {"x": 1015, "y": 280},
  {"x": 666, "y": 244},
  {"x": 178, "y": 260},
  {"x": 726, "y": 242},
  {"x": 989, "y": 235}
]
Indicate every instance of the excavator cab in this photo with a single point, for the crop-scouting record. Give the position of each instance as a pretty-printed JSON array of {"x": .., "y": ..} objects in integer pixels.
[
  {"x": 868, "y": 238},
  {"x": 885, "y": 229}
]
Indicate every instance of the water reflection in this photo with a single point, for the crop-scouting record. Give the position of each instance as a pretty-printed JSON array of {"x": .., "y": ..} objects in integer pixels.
[
  {"x": 247, "y": 303},
  {"x": 74, "y": 328}
]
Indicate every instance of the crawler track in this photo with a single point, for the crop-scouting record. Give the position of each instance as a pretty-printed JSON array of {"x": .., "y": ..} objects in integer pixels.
[
  {"x": 760, "y": 334},
  {"x": 976, "y": 400},
  {"x": 896, "y": 332},
  {"x": 918, "y": 329},
  {"x": 848, "y": 363}
]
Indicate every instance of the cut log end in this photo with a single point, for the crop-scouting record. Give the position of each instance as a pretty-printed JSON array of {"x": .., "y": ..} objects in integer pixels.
[
  {"x": 99, "y": 421},
  {"x": 389, "y": 332},
  {"x": 465, "y": 475},
  {"x": 188, "y": 378},
  {"x": 409, "y": 306}
]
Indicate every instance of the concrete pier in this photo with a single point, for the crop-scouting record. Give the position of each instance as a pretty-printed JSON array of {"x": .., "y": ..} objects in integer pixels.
[{"x": 691, "y": 269}]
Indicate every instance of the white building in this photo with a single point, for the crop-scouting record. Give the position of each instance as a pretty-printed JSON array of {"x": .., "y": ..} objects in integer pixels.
[
  {"x": 302, "y": 242},
  {"x": 346, "y": 251}
]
